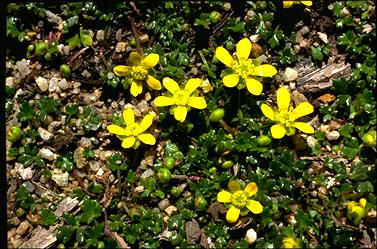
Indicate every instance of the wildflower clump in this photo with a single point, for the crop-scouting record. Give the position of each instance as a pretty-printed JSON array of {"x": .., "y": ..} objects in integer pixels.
[
  {"x": 286, "y": 116},
  {"x": 238, "y": 201},
  {"x": 243, "y": 70},
  {"x": 139, "y": 71},
  {"x": 356, "y": 211},
  {"x": 134, "y": 132},
  {"x": 288, "y": 4},
  {"x": 181, "y": 99}
]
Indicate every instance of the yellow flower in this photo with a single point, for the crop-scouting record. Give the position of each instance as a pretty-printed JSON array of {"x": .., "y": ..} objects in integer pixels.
[
  {"x": 285, "y": 116},
  {"x": 288, "y": 4},
  {"x": 239, "y": 200},
  {"x": 243, "y": 70},
  {"x": 134, "y": 131},
  {"x": 357, "y": 211},
  {"x": 139, "y": 71},
  {"x": 290, "y": 242},
  {"x": 181, "y": 99}
]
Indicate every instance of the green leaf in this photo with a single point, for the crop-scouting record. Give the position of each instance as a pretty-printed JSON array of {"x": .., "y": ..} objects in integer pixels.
[
  {"x": 363, "y": 187},
  {"x": 85, "y": 38},
  {"x": 273, "y": 41},
  {"x": 91, "y": 210},
  {"x": 64, "y": 164},
  {"x": 48, "y": 218},
  {"x": 350, "y": 153},
  {"x": 65, "y": 233},
  {"x": 346, "y": 130},
  {"x": 74, "y": 41},
  {"x": 317, "y": 53},
  {"x": 26, "y": 112}
]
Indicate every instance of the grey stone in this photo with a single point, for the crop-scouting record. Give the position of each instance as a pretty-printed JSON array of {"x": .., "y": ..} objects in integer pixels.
[
  {"x": 51, "y": 17},
  {"x": 290, "y": 74},
  {"x": 47, "y": 154},
  {"x": 94, "y": 165},
  {"x": 60, "y": 177},
  {"x": 78, "y": 156},
  {"x": 147, "y": 173},
  {"x": 45, "y": 134},
  {"x": 29, "y": 186},
  {"x": 63, "y": 84},
  {"x": 86, "y": 142},
  {"x": 334, "y": 135},
  {"x": 42, "y": 83},
  {"x": 163, "y": 204},
  {"x": 100, "y": 35},
  {"x": 22, "y": 68},
  {"x": 53, "y": 86}
]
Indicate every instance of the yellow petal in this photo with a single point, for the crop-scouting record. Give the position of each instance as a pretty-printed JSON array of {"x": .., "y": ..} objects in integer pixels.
[
  {"x": 197, "y": 102},
  {"x": 231, "y": 80},
  {"x": 121, "y": 70},
  {"x": 134, "y": 59},
  {"x": 136, "y": 88},
  {"x": 254, "y": 86},
  {"x": 283, "y": 98},
  {"x": 146, "y": 122},
  {"x": 307, "y": 3},
  {"x": 223, "y": 55},
  {"x": 234, "y": 186},
  {"x": 128, "y": 142},
  {"x": 117, "y": 130},
  {"x": 150, "y": 61},
  {"x": 193, "y": 84},
  {"x": 224, "y": 196},
  {"x": 254, "y": 206},
  {"x": 232, "y": 214},
  {"x": 363, "y": 202},
  {"x": 267, "y": 111},
  {"x": 287, "y": 4},
  {"x": 170, "y": 84},
  {"x": 251, "y": 188},
  {"x": 278, "y": 131},
  {"x": 265, "y": 70},
  {"x": 128, "y": 116},
  {"x": 147, "y": 138},
  {"x": 304, "y": 127},
  {"x": 243, "y": 48},
  {"x": 302, "y": 109},
  {"x": 180, "y": 113},
  {"x": 163, "y": 101},
  {"x": 153, "y": 83}
]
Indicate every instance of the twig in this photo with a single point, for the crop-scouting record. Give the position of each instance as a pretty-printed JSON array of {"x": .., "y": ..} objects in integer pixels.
[
  {"x": 215, "y": 31},
  {"x": 78, "y": 54},
  {"x": 133, "y": 5},
  {"x": 134, "y": 31},
  {"x": 343, "y": 225}
]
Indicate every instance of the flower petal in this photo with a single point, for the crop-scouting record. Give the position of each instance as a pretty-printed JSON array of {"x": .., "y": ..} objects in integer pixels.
[
  {"x": 223, "y": 55},
  {"x": 304, "y": 127},
  {"x": 224, "y": 196},
  {"x": 232, "y": 214},
  {"x": 170, "y": 84},
  {"x": 283, "y": 98},
  {"x": 254, "y": 206},
  {"x": 163, "y": 101},
  {"x": 121, "y": 70},
  {"x": 147, "y": 138},
  {"x": 193, "y": 84},
  {"x": 128, "y": 142},
  {"x": 150, "y": 61},
  {"x": 134, "y": 59},
  {"x": 117, "y": 130},
  {"x": 231, "y": 80},
  {"x": 180, "y": 113},
  {"x": 302, "y": 109},
  {"x": 243, "y": 48},
  {"x": 307, "y": 3},
  {"x": 265, "y": 70},
  {"x": 197, "y": 102},
  {"x": 267, "y": 111},
  {"x": 129, "y": 116},
  {"x": 278, "y": 131},
  {"x": 287, "y": 4},
  {"x": 146, "y": 122},
  {"x": 136, "y": 88},
  {"x": 153, "y": 83},
  {"x": 251, "y": 188},
  {"x": 234, "y": 186},
  {"x": 254, "y": 86}
]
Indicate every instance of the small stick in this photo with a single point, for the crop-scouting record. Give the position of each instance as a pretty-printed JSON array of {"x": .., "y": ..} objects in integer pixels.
[
  {"x": 344, "y": 225},
  {"x": 78, "y": 54},
  {"x": 134, "y": 31}
]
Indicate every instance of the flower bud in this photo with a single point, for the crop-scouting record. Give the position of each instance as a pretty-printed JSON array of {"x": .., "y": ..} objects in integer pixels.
[
  {"x": 215, "y": 17},
  {"x": 217, "y": 115},
  {"x": 369, "y": 139},
  {"x": 251, "y": 236},
  {"x": 14, "y": 133},
  {"x": 263, "y": 140},
  {"x": 290, "y": 242},
  {"x": 164, "y": 175}
]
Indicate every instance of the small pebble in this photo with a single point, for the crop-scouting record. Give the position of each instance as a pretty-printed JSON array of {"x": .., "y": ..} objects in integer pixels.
[
  {"x": 45, "y": 134},
  {"x": 254, "y": 38},
  {"x": 86, "y": 74},
  {"x": 139, "y": 189},
  {"x": 251, "y": 236},
  {"x": 163, "y": 204},
  {"x": 63, "y": 84},
  {"x": 23, "y": 227},
  {"x": 9, "y": 81},
  {"x": 14, "y": 221},
  {"x": 323, "y": 37},
  {"x": 60, "y": 178},
  {"x": 53, "y": 86},
  {"x": 42, "y": 83},
  {"x": 290, "y": 74},
  {"x": 311, "y": 141},
  {"x": 120, "y": 47},
  {"x": 47, "y": 154},
  {"x": 304, "y": 30},
  {"x": 333, "y": 135},
  {"x": 170, "y": 210},
  {"x": 147, "y": 173},
  {"x": 29, "y": 186},
  {"x": 94, "y": 166},
  {"x": 85, "y": 142},
  {"x": 100, "y": 35},
  {"x": 227, "y": 6},
  {"x": 66, "y": 50}
]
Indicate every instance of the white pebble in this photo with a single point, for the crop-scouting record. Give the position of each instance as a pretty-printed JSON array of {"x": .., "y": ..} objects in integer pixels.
[
  {"x": 290, "y": 74},
  {"x": 251, "y": 236},
  {"x": 334, "y": 135},
  {"x": 45, "y": 134},
  {"x": 47, "y": 154},
  {"x": 60, "y": 178},
  {"x": 63, "y": 84},
  {"x": 42, "y": 83}
]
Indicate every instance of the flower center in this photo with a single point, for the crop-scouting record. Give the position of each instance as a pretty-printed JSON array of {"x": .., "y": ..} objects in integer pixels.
[
  {"x": 285, "y": 118},
  {"x": 244, "y": 67},
  {"x": 181, "y": 97},
  {"x": 133, "y": 129},
  {"x": 138, "y": 73},
  {"x": 239, "y": 198}
]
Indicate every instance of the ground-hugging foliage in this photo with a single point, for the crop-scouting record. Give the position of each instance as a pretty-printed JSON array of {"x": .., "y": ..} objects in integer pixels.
[{"x": 153, "y": 120}]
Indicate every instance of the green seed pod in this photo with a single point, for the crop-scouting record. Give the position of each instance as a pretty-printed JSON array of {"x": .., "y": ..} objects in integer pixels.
[
  {"x": 113, "y": 82},
  {"x": 14, "y": 134},
  {"x": 229, "y": 45},
  {"x": 200, "y": 202},
  {"x": 169, "y": 162},
  {"x": 41, "y": 48},
  {"x": 215, "y": 17},
  {"x": 65, "y": 69},
  {"x": 227, "y": 164},
  {"x": 263, "y": 140},
  {"x": 164, "y": 175},
  {"x": 369, "y": 139},
  {"x": 30, "y": 48},
  {"x": 212, "y": 170},
  {"x": 20, "y": 212},
  {"x": 217, "y": 115},
  {"x": 101, "y": 244},
  {"x": 132, "y": 41},
  {"x": 176, "y": 191},
  {"x": 48, "y": 56}
]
